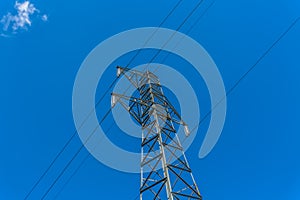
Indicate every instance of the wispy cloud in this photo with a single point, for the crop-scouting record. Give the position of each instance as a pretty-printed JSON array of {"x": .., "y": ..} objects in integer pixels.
[
  {"x": 45, "y": 18},
  {"x": 21, "y": 19},
  {"x": 3, "y": 35}
]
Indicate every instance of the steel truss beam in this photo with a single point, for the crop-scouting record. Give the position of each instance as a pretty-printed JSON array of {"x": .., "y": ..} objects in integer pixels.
[{"x": 165, "y": 172}]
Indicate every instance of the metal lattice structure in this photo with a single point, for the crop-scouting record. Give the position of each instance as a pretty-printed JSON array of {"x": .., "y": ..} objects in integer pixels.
[{"x": 165, "y": 172}]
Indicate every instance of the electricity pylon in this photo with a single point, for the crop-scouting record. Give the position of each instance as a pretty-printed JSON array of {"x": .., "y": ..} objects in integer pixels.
[{"x": 165, "y": 172}]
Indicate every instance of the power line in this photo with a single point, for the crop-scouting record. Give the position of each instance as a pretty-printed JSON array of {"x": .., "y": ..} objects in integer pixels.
[
  {"x": 75, "y": 155},
  {"x": 72, "y": 175},
  {"x": 49, "y": 167},
  {"x": 154, "y": 32},
  {"x": 244, "y": 75},
  {"x": 189, "y": 30},
  {"x": 249, "y": 70},
  {"x": 179, "y": 27},
  {"x": 66, "y": 144},
  {"x": 196, "y": 22},
  {"x": 98, "y": 102},
  {"x": 185, "y": 20},
  {"x": 79, "y": 166}
]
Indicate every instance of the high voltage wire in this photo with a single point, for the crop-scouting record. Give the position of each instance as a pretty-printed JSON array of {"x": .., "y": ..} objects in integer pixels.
[
  {"x": 189, "y": 30},
  {"x": 187, "y": 33},
  {"x": 242, "y": 77},
  {"x": 67, "y": 144},
  {"x": 179, "y": 27},
  {"x": 98, "y": 102},
  {"x": 86, "y": 157},
  {"x": 249, "y": 70},
  {"x": 229, "y": 91},
  {"x": 154, "y": 32},
  {"x": 76, "y": 154},
  {"x": 245, "y": 74},
  {"x": 79, "y": 166}
]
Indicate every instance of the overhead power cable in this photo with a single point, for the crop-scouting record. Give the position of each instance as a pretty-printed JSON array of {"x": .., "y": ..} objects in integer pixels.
[
  {"x": 75, "y": 155},
  {"x": 85, "y": 159},
  {"x": 49, "y": 189},
  {"x": 98, "y": 102},
  {"x": 247, "y": 72}
]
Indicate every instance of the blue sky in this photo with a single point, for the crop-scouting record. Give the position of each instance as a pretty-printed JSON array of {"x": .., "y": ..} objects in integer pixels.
[{"x": 257, "y": 155}]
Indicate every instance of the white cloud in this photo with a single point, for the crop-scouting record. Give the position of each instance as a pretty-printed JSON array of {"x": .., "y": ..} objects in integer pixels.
[
  {"x": 22, "y": 19},
  {"x": 45, "y": 18},
  {"x": 3, "y": 35}
]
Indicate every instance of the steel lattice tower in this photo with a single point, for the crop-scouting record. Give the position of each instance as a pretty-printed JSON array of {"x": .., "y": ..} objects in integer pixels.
[{"x": 165, "y": 172}]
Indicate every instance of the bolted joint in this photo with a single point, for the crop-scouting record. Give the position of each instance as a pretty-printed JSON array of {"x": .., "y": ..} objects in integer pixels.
[
  {"x": 120, "y": 71},
  {"x": 186, "y": 130},
  {"x": 113, "y": 100}
]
